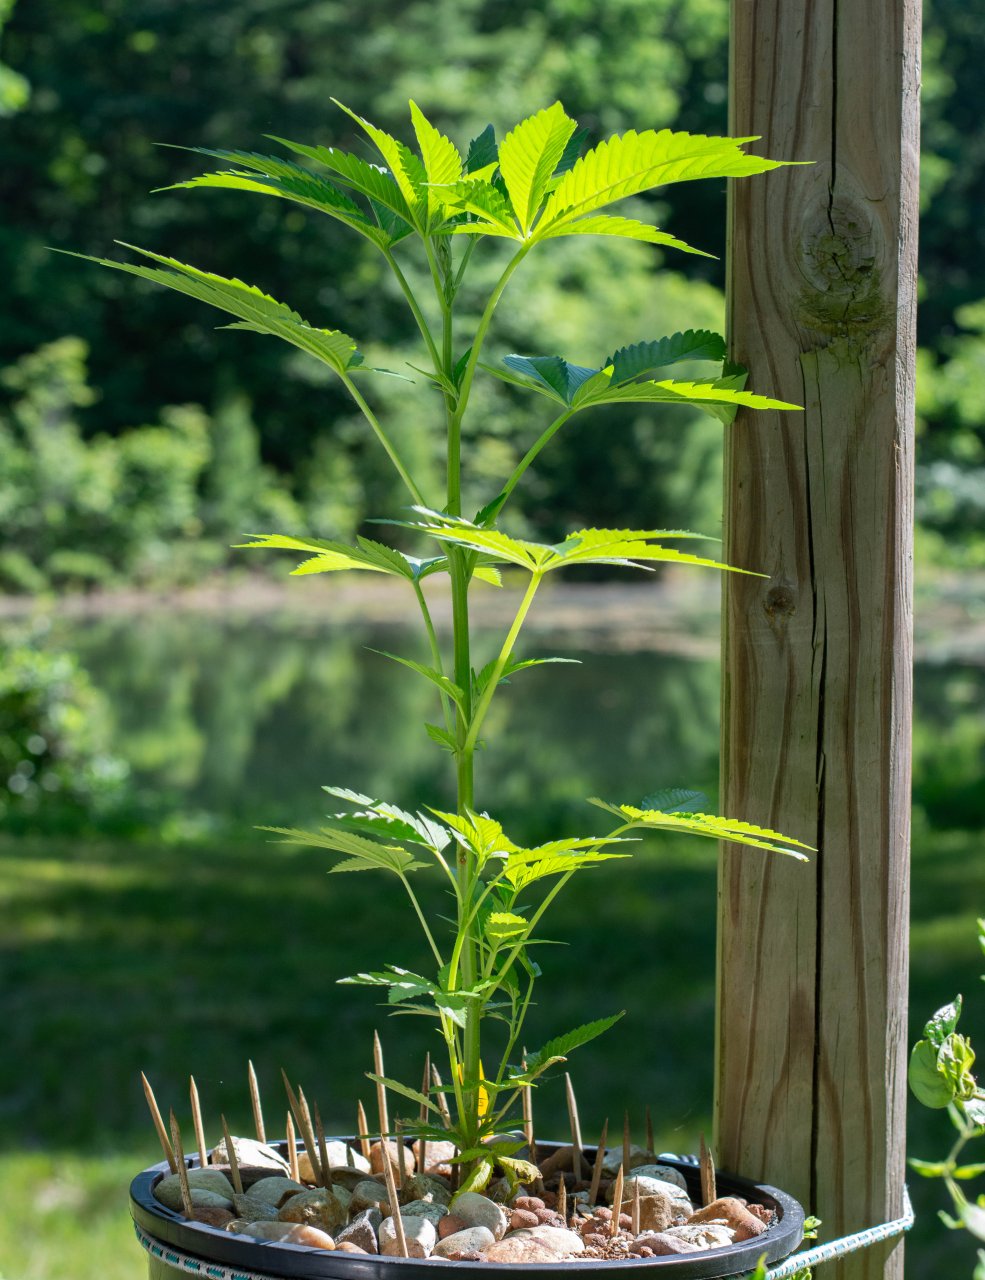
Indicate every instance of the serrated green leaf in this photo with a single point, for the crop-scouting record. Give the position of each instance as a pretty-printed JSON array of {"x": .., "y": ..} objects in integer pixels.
[
  {"x": 442, "y": 737},
  {"x": 482, "y": 150},
  {"x": 628, "y": 164},
  {"x": 558, "y": 1049},
  {"x": 442, "y": 163},
  {"x": 368, "y": 179},
  {"x": 709, "y": 825},
  {"x": 944, "y": 1021},
  {"x": 569, "y": 155},
  {"x": 331, "y": 557},
  {"x": 604, "y": 224},
  {"x": 499, "y": 925},
  {"x": 442, "y": 681},
  {"x": 486, "y": 203},
  {"x": 553, "y": 373},
  {"x": 477, "y": 1180},
  {"x": 709, "y": 396},
  {"x": 528, "y": 156},
  {"x": 407, "y": 170},
  {"x": 675, "y": 800},
  {"x": 404, "y": 1090},
  {"x": 383, "y": 857},
  {"x": 643, "y": 357}
]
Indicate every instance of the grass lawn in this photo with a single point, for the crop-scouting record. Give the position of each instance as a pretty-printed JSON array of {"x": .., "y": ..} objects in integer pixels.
[{"x": 120, "y": 956}]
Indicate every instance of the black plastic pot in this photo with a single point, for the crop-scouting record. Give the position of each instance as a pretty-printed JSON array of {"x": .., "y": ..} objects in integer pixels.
[{"x": 296, "y": 1262}]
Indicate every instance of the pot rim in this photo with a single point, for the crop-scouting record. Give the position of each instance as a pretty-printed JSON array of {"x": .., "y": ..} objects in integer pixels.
[{"x": 301, "y": 1262}]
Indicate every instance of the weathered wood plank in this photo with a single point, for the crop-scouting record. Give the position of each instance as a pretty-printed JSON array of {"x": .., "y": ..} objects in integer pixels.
[{"x": 817, "y": 657}]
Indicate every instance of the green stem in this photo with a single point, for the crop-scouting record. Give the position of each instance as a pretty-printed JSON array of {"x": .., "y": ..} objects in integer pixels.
[
  {"x": 533, "y": 451},
  {"x": 385, "y": 441},
  {"x": 435, "y": 652},
  {"x": 501, "y": 661},
  {"x": 483, "y": 328},
  {"x": 412, "y": 302},
  {"x": 424, "y": 924}
]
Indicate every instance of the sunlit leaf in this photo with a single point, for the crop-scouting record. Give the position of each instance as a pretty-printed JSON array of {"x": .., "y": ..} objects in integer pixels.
[
  {"x": 644, "y": 357},
  {"x": 528, "y": 156},
  {"x": 368, "y": 853},
  {"x": 604, "y": 224},
  {"x": 709, "y": 825}
]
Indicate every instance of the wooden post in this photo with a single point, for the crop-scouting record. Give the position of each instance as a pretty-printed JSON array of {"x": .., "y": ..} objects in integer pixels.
[{"x": 812, "y": 969}]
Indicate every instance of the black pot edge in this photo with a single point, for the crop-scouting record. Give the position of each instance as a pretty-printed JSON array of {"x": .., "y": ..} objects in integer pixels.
[{"x": 299, "y": 1262}]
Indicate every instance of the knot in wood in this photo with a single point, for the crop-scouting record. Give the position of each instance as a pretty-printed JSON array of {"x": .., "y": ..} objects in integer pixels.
[
  {"x": 780, "y": 602},
  {"x": 843, "y": 267}
]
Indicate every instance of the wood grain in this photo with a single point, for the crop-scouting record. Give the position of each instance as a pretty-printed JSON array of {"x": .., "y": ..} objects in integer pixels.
[{"x": 817, "y": 657}]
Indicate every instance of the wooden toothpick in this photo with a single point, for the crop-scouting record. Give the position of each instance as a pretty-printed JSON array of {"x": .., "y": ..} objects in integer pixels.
[
  {"x": 232, "y": 1158},
  {"x": 422, "y": 1142},
  {"x": 649, "y": 1132},
  {"x": 380, "y": 1089},
  {"x": 636, "y": 1207},
  {"x": 391, "y": 1191},
  {"x": 593, "y": 1193},
  {"x": 308, "y": 1137},
  {"x": 326, "y": 1173},
  {"x": 575, "y": 1124},
  {"x": 179, "y": 1155},
  {"x": 616, "y": 1204},
  {"x": 625, "y": 1140},
  {"x": 709, "y": 1191},
  {"x": 363, "y": 1124},
  {"x": 162, "y": 1133},
  {"x": 292, "y": 1150},
  {"x": 203, "y": 1158},
  {"x": 562, "y": 1199},
  {"x": 442, "y": 1100},
  {"x": 255, "y": 1101}
]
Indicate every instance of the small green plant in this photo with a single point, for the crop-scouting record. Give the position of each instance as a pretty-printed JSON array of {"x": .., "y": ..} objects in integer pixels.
[
  {"x": 940, "y": 1077},
  {"x": 510, "y": 199}
]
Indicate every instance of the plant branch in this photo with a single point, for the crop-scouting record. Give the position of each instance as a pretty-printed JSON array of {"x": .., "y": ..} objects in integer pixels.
[
  {"x": 424, "y": 924},
  {"x": 385, "y": 441},
  {"x": 501, "y": 661},
  {"x": 534, "y": 449},
  {"x": 435, "y": 653},
  {"x": 412, "y": 302}
]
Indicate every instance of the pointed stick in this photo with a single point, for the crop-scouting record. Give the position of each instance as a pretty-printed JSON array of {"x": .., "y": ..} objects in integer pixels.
[
  {"x": 179, "y": 1155},
  {"x": 380, "y": 1089},
  {"x": 308, "y": 1137},
  {"x": 422, "y": 1142},
  {"x": 649, "y": 1132},
  {"x": 398, "y": 1138},
  {"x": 232, "y": 1158},
  {"x": 625, "y": 1139},
  {"x": 363, "y": 1124},
  {"x": 636, "y": 1207},
  {"x": 162, "y": 1133},
  {"x": 593, "y": 1193},
  {"x": 616, "y": 1204},
  {"x": 292, "y": 1150},
  {"x": 442, "y": 1100},
  {"x": 255, "y": 1100},
  {"x": 562, "y": 1199},
  {"x": 709, "y": 1191},
  {"x": 391, "y": 1191},
  {"x": 326, "y": 1173},
  {"x": 575, "y": 1124},
  {"x": 203, "y": 1158}
]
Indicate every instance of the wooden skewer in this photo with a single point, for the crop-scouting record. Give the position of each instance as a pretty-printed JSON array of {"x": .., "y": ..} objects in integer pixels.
[
  {"x": 625, "y": 1140},
  {"x": 326, "y": 1173},
  {"x": 593, "y": 1193},
  {"x": 616, "y": 1204},
  {"x": 179, "y": 1155},
  {"x": 575, "y": 1124},
  {"x": 401, "y": 1155},
  {"x": 363, "y": 1124},
  {"x": 203, "y": 1158},
  {"x": 232, "y": 1158},
  {"x": 255, "y": 1100},
  {"x": 636, "y": 1207},
  {"x": 442, "y": 1100},
  {"x": 649, "y": 1132},
  {"x": 709, "y": 1191},
  {"x": 162, "y": 1133},
  {"x": 391, "y": 1191},
  {"x": 422, "y": 1142},
  {"x": 562, "y": 1199},
  {"x": 292, "y": 1150},
  {"x": 308, "y": 1137},
  {"x": 380, "y": 1089}
]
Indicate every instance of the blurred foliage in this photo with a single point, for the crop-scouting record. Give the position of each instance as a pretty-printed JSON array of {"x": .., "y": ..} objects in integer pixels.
[
  {"x": 91, "y": 86},
  {"x": 58, "y": 761}
]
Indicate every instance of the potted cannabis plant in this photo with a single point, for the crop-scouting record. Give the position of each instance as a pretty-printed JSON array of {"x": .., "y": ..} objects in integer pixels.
[{"x": 506, "y": 200}]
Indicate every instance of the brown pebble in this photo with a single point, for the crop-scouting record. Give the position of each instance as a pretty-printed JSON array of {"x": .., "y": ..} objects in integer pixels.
[
  {"x": 348, "y": 1247},
  {"x": 213, "y": 1216},
  {"x": 524, "y": 1218},
  {"x": 548, "y": 1218},
  {"x": 533, "y": 1203},
  {"x": 594, "y": 1240},
  {"x": 646, "y": 1251},
  {"x": 550, "y": 1199},
  {"x": 734, "y": 1213},
  {"x": 449, "y": 1224}
]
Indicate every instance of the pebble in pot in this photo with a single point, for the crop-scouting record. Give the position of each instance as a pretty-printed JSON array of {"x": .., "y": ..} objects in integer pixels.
[
  {"x": 480, "y": 1211},
  {"x": 469, "y": 1242},
  {"x": 419, "y": 1233},
  {"x": 320, "y": 1208}
]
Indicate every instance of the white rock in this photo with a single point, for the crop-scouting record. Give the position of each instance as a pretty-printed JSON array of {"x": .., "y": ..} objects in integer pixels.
[
  {"x": 480, "y": 1211},
  {"x": 663, "y": 1172},
  {"x": 706, "y": 1235},
  {"x": 419, "y": 1234},
  {"x": 250, "y": 1154},
  {"x": 536, "y": 1244},
  {"x": 471, "y": 1240}
]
